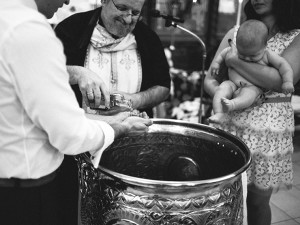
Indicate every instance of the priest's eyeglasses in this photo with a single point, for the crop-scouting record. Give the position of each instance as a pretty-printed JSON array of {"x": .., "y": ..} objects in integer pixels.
[{"x": 124, "y": 9}]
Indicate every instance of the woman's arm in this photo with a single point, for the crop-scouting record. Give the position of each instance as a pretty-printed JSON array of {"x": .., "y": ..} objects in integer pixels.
[
  {"x": 292, "y": 55},
  {"x": 210, "y": 83},
  {"x": 265, "y": 76},
  {"x": 285, "y": 70}
]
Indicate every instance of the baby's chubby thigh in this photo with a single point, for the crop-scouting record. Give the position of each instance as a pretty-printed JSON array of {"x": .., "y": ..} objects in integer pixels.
[
  {"x": 228, "y": 88},
  {"x": 237, "y": 79}
]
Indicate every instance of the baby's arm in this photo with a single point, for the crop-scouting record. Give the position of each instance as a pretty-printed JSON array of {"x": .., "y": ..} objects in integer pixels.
[
  {"x": 285, "y": 70},
  {"x": 217, "y": 62}
]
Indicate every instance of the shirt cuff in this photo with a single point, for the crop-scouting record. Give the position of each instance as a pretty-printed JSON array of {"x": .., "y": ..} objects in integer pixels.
[{"x": 109, "y": 136}]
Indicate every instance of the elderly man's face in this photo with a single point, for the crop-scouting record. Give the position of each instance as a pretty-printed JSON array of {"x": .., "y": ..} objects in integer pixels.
[{"x": 120, "y": 16}]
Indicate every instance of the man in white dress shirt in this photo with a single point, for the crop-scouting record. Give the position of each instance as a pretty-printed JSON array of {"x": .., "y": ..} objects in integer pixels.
[{"x": 40, "y": 120}]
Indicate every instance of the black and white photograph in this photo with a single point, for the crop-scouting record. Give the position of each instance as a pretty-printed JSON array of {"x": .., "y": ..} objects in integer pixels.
[{"x": 149, "y": 112}]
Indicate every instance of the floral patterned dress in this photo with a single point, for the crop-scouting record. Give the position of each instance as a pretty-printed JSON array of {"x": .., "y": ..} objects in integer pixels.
[{"x": 267, "y": 129}]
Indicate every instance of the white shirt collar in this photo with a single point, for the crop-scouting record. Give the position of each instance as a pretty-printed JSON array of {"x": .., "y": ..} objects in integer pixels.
[{"x": 28, "y": 3}]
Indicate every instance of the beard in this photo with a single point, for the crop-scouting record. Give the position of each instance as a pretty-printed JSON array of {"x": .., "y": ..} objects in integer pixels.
[{"x": 118, "y": 27}]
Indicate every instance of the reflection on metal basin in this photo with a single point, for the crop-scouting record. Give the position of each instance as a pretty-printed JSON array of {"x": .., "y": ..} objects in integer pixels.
[{"x": 176, "y": 173}]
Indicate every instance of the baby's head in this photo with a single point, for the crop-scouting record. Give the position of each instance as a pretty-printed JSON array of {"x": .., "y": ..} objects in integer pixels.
[{"x": 251, "y": 40}]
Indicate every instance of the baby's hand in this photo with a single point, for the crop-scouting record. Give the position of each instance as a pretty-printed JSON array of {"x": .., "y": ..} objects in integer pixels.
[
  {"x": 287, "y": 87},
  {"x": 215, "y": 69}
]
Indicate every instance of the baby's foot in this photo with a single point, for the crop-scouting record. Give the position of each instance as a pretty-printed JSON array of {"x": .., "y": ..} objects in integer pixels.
[
  {"x": 228, "y": 105},
  {"x": 218, "y": 118}
]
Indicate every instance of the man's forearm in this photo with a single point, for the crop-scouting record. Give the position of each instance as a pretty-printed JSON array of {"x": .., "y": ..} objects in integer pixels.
[
  {"x": 150, "y": 98},
  {"x": 113, "y": 121}
]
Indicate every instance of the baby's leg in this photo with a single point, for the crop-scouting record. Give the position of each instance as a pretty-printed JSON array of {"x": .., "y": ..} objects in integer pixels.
[
  {"x": 245, "y": 98},
  {"x": 226, "y": 89}
]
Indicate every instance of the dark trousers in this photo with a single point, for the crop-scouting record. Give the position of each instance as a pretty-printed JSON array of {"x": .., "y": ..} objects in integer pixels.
[
  {"x": 30, "y": 205},
  {"x": 69, "y": 190}
]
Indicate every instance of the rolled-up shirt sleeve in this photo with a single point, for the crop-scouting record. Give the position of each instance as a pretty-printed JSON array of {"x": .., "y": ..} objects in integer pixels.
[{"x": 39, "y": 75}]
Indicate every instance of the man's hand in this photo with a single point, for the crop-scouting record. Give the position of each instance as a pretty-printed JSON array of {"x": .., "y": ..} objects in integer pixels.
[
  {"x": 136, "y": 124},
  {"x": 132, "y": 124},
  {"x": 91, "y": 86},
  {"x": 128, "y": 96},
  {"x": 113, "y": 110}
]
